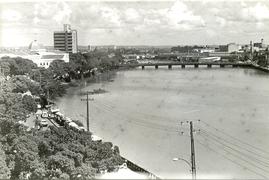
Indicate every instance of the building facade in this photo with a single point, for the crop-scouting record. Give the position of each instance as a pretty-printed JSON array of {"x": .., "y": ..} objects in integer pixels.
[
  {"x": 231, "y": 47},
  {"x": 66, "y": 40}
]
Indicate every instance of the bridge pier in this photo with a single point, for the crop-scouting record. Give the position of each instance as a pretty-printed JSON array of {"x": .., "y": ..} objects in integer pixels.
[
  {"x": 183, "y": 66},
  {"x": 156, "y": 66},
  {"x": 222, "y": 65},
  {"x": 196, "y": 65},
  {"x": 235, "y": 66},
  {"x": 143, "y": 67},
  {"x": 170, "y": 66},
  {"x": 209, "y": 65}
]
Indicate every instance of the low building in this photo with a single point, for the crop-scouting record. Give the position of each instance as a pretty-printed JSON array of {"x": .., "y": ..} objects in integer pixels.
[
  {"x": 128, "y": 57},
  {"x": 219, "y": 54},
  {"x": 223, "y": 48},
  {"x": 204, "y": 50},
  {"x": 231, "y": 47},
  {"x": 209, "y": 59}
]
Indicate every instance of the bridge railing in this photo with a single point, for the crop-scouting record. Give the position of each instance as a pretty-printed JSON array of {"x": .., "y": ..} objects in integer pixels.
[{"x": 185, "y": 63}]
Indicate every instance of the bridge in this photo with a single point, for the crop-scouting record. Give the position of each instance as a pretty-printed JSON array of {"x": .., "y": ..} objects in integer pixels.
[{"x": 184, "y": 64}]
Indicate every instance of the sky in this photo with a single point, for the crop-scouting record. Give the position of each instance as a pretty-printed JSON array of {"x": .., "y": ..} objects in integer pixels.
[{"x": 135, "y": 22}]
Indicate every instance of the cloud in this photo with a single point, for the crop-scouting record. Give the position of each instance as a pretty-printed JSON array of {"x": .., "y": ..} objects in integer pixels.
[
  {"x": 44, "y": 10},
  {"x": 96, "y": 15},
  {"x": 177, "y": 17},
  {"x": 110, "y": 15},
  {"x": 36, "y": 20},
  {"x": 63, "y": 13},
  {"x": 221, "y": 21},
  {"x": 132, "y": 16},
  {"x": 11, "y": 15},
  {"x": 246, "y": 11},
  {"x": 180, "y": 16},
  {"x": 259, "y": 12},
  {"x": 54, "y": 12}
]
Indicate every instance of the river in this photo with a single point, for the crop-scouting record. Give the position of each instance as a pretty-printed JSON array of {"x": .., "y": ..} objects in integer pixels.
[{"x": 147, "y": 113}]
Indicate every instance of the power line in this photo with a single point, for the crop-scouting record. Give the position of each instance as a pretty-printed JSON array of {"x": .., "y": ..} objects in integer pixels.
[
  {"x": 235, "y": 162},
  {"x": 109, "y": 103},
  {"x": 249, "y": 151},
  {"x": 139, "y": 122},
  {"x": 234, "y": 138},
  {"x": 237, "y": 156},
  {"x": 147, "y": 121}
]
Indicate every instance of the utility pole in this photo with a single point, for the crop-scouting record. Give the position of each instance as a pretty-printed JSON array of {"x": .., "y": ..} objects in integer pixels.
[
  {"x": 88, "y": 114},
  {"x": 193, "y": 166}
]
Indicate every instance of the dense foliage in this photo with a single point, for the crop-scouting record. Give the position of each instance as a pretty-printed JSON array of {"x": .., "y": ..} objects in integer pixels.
[
  {"x": 17, "y": 66},
  {"x": 57, "y": 153}
]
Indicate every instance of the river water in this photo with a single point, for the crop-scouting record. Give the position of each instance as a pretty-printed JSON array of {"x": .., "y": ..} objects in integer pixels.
[{"x": 147, "y": 113}]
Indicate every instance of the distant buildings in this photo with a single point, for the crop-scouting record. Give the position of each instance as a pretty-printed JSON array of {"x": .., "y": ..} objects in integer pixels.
[
  {"x": 204, "y": 50},
  {"x": 259, "y": 46},
  {"x": 103, "y": 48},
  {"x": 66, "y": 40},
  {"x": 219, "y": 54},
  {"x": 40, "y": 56},
  {"x": 231, "y": 47}
]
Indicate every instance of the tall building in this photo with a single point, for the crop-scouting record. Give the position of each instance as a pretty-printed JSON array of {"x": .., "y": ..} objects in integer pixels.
[{"x": 66, "y": 40}]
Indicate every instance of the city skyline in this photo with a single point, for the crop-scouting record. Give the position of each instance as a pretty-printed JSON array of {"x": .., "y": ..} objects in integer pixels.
[{"x": 153, "y": 23}]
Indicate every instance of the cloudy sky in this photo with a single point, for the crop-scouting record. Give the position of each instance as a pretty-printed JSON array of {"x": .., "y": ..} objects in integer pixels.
[{"x": 135, "y": 22}]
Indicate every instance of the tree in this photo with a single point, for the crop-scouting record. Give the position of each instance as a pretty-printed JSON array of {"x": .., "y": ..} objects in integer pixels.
[
  {"x": 25, "y": 66},
  {"x": 22, "y": 84},
  {"x": 11, "y": 107},
  {"x": 77, "y": 62},
  {"x": 13, "y": 67},
  {"x": 39, "y": 173},
  {"x": 58, "y": 161},
  {"x": 4, "y": 170},
  {"x": 104, "y": 151},
  {"x": 60, "y": 68},
  {"x": 26, "y": 159},
  {"x": 29, "y": 103},
  {"x": 51, "y": 87},
  {"x": 86, "y": 171},
  {"x": 19, "y": 66},
  {"x": 4, "y": 68}
]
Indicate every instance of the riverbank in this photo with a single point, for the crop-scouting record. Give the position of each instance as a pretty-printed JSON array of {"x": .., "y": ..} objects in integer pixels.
[{"x": 256, "y": 66}]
